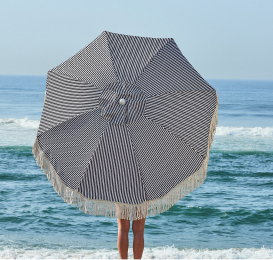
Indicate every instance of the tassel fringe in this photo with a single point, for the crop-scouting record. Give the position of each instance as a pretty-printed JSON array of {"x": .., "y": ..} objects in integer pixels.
[{"x": 122, "y": 210}]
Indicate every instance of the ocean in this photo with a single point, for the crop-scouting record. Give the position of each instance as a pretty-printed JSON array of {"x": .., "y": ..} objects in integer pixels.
[{"x": 230, "y": 216}]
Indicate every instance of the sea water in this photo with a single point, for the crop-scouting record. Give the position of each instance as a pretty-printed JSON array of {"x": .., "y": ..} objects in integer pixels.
[{"x": 230, "y": 216}]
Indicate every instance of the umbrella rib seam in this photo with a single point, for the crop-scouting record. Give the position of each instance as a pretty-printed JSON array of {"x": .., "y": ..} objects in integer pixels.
[
  {"x": 143, "y": 70},
  {"x": 65, "y": 121},
  {"x": 178, "y": 91},
  {"x": 110, "y": 53},
  {"x": 177, "y": 136},
  {"x": 99, "y": 141},
  {"x": 137, "y": 159}
]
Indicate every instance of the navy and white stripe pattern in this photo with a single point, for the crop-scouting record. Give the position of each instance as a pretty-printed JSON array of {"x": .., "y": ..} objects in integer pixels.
[
  {"x": 65, "y": 98},
  {"x": 111, "y": 108},
  {"x": 113, "y": 172},
  {"x": 126, "y": 119}
]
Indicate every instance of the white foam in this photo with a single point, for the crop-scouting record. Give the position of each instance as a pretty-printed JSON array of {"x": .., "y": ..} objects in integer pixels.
[
  {"x": 22, "y": 132},
  {"x": 168, "y": 252},
  {"x": 23, "y": 122},
  {"x": 220, "y": 130},
  {"x": 244, "y": 131},
  {"x": 18, "y": 132}
]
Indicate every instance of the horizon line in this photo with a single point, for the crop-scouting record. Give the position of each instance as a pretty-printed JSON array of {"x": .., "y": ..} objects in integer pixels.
[{"x": 44, "y": 75}]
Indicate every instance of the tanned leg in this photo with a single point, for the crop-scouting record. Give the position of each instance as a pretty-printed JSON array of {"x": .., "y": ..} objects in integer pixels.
[
  {"x": 123, "y": 240},
  {"x": 138, "y": 244}
]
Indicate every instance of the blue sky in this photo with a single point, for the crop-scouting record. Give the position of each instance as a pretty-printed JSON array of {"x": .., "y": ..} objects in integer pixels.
[{"x": 230, "y": 39}]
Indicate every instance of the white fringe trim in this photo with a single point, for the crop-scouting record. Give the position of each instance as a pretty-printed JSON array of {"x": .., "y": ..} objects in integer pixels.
[{"x": 122, "y": 210}]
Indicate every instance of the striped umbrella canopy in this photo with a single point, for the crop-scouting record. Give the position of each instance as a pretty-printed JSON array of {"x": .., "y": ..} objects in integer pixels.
[{"x": 126, "y": 127}]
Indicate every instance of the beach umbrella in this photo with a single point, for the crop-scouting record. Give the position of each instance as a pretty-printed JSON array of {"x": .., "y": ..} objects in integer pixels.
[{"x": 126, "y": 127}]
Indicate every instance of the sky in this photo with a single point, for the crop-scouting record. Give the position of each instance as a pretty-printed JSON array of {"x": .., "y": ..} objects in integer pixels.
[{"x": 231, "y": 39}]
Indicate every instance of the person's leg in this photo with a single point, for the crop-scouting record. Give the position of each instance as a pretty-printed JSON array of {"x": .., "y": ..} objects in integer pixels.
[
  {"x": 123, "y": 241},
  {"x": 138, "y": 243}
]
